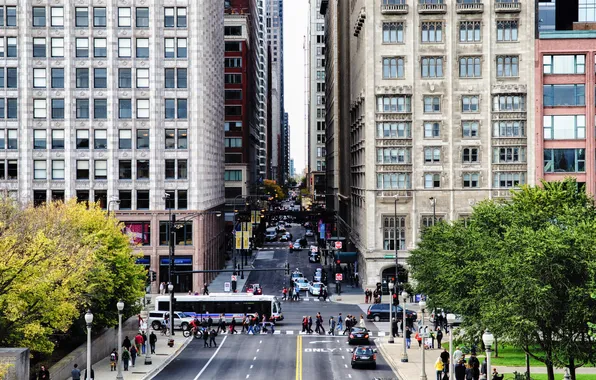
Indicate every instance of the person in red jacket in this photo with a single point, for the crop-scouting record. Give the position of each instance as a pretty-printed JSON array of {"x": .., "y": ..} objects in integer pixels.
[{"x": 139, "y": 341}]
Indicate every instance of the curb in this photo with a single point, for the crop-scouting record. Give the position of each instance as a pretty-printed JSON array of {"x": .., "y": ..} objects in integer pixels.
[
  {"x": 380, "y": 343},
  {"x": 157, "y": 370}
]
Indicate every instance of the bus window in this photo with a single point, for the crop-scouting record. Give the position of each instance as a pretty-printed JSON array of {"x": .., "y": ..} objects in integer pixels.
[{"x": 275, "y": 309}]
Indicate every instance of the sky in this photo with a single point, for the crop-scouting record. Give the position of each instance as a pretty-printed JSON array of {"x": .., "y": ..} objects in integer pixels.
[{"x": 295, "y": 28}]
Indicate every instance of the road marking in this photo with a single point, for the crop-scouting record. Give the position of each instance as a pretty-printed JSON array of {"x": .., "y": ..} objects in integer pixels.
[
  {"x": 211, "y": 359},
  {"x": 381, "y": 333},
  {"x": 255, "y": 358},
  {"x": 346, "y": 365},
  {"x": 299, "y": 358},
  {"x": 290, "y": 332},
  {"x": 277, "y": 332},
  {"x": 343, "y": 357},
  {"x": 258, "y": 349},
  {"x": 260, "y": 341},
  {"x": 251, "y": 366},
  {"x": 321, "y": 341},
  {"x": 247, "y": 376},
  {"x": 350, "y": 376}
]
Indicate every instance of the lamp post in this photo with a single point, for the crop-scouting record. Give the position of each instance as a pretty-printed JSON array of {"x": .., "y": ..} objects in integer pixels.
[
  {"x": 422, "y": 329},
  {"x": 450, "y": 321},
  {"x": 395, "y": 236},
  {"x": 391, "y": 290},
  {"x": 488, "y": 339},
  {"x": 113, "y": 200},
  {"x": 433, "y": 202},
  {"x": 120, "y": 306},
  {"x": 88, "y": 321},
  {"x": 171, "y": 290},
  {"x": 404, "y": 356}
]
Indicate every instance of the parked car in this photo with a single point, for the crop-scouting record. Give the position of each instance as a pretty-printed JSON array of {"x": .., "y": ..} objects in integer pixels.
[
  {"x": 364, "y": 356},
  {"x": 284, "y": 237},
  {"x": 358, "y": 335},
  {"x": 309, "y": 233},
  {"x": 380, "y": 312},
  {"x": 181, "y": 320}
]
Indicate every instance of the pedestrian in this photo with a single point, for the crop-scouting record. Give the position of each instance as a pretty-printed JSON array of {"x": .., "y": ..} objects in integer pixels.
[
  {"x": 457, "y": 355},
  {"x": 419, "y": 339},
  {"x": 284, "y": 292},
  {"x": 126, "y": 343},
  {"x": 139, "y": 341},
  {"x": 439, "y": 366},
  {"x": 205, "y": 338},
  {"x": 125, "y": 357},
  {"x": 245, "y": 321},
  {"x": 469, "y": 372},
  {"x": 366, "y": 296},
  {"x": 233, "y": 326},
  {"x": 92, "y": 374},
  {"x": 251, "y": 326},
  {"x": 408, "y": 337},
  {"x": 348, "y": 325},
  {"x": 356, "y": 279},
  {"x": 144, "y": 346},
  {"x": 432, "y": 340},
  {"x": 310, "y": 331},
  {"x": 221, "y": 324},
  {"x": 212, "y": 335},
  {"x": 394, "y": 332},
  {"x": 133, "y": 354},
  {"x": 439, "y": 337},
  {"x": 76, "y": 372},
  {"x": 152, "y": 341},
  {"x": 318, "y": 324},
  {"x": 272, "y": 324},
  {"x": 304, "y": 324},
  {"x": 209, "y": 322},
  {"x": 362, "y": 323},
  {"x": 460, "y": 370},
  {"x": 331, "y": 326},
  {"x": 445, "y": 358},
  {"x": 162, "y": 288},
  {"x": 205, "y": 290},
  {"x": 483, "y": 369},
  {"x": 113, "y": 360},
  {"x": 340, "y": 323}
]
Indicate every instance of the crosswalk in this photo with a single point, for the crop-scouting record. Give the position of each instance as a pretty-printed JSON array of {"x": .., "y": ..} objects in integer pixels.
[
  {"x": 309, "y": 300},
  {"x": 300, "y": 332}
]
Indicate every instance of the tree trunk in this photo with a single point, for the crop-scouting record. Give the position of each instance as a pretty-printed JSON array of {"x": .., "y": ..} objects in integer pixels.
[
  {"x": 572, "y": 368},
  {"x": 550, "y": 371},
  {"x": 496, "y": 348},
  {"x": 527, "y": 366}
]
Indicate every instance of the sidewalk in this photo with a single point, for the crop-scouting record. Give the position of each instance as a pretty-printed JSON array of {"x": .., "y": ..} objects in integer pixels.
[
  {"x": 217, "y": 285},
  {"x": 411, "y": 370},
  {"x": 162, "y": 357}
]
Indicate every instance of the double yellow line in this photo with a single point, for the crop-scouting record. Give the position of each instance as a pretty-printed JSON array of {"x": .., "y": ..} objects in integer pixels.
[{"x": 299, "y": 358}]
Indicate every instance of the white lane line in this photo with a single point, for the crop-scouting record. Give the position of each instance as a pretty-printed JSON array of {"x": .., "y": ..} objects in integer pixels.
[
  {"x": 346, "y": 365},
  {"x": 350, "y": 376},
  {"x": 251, "y": 366},
  {"x": 211, "y": 359},
  {"x": 247, "y": 376},
  {"x": 258, "y": 349},
  {"x": 260, "y": 341},
  {"x": 343, "y": 357},
  {"x": 255, "y": 358}
]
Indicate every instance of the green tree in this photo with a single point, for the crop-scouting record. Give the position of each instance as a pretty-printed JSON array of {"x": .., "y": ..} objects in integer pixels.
[
  {"x": 522, "y": 268},
  {"x": 273, "y": 189}
]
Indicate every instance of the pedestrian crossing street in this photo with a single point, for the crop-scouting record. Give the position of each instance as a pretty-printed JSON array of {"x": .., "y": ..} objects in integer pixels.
[
  {"x": 309, "y": 300},
  {"x": 373, "y": 334}
]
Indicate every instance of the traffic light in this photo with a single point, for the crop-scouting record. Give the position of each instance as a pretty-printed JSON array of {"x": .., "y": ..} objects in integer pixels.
[
  {"x": 153, "y": 276},
  {"x": 287, "y": 268},
  {"x": 338, "y": 261}
]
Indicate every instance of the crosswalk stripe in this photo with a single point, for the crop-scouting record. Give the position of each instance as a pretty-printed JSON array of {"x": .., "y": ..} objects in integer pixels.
[
  {"x": 291, "y": 332},
  {"x": 382, "y": 333},
  {"x": 277, "y": 332}
]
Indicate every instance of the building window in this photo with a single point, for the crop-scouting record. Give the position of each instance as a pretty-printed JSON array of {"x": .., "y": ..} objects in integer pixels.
[
  {"x": 11, "y": 108},
  {"x": 432, "y": 155},
  {"x": 393, "y": 68},
  {"x": 142, "y": 78},
  {"x": 564, "y": 64},
  {"x": 39, "y": 138},
  {"x": 124, "y": 17},
  {"x": 509, "y": 103},
  {"x": 394, "y": 104},
  {"x": 232, "y": 95},
  {"x": 564, "y": 127},
  {"x": 233, "y": 46},
  {"x": 432, "y": 31},
  {"x": 181, "y": 50},
  {"x": 82, "y": 47},
  {"x": 125, "y": 197},
  {"x": 432, "y": 67},
  {"x": 470, "y": 155},
  {"x": 40, "y": 169},
  {"x": 57, "y": 78},
  {"x": 507, "y": 66},
  {"x": 469, "y": 129},
  {"x": 394, "y": 181},
  {"x": 233, "y": 111},
  {"x": 58, "y": 139},
  {"x": 11, "y": 47},
  {"x": 509, "y": 155},
  {"x": 124, "y": 169},
  {"x": 142, "y": 47},
  {"x": 142, "y": 108},
  {"x": 100, "y": 169},
  {"x": 432, "y": 130},
  {"x": 470, "y": 67},
  {"x": 82, "y": 169},
  {"x": 394, "y": 233},
  {"x": 82, "y": 108},
  {"x": 100, "y": 108},
  {"x": 508, "y": 180},
  {"x": 432, "y": 104},
  {"x": 507, "y": 30},
  {"x": 100, "y": 47},
  {"x": 429, "y": 220},
  {"x": 181, "y": 21},
  {"x": 39, "y": 47},
  {"x": 233, "y": 142},
  {"x": 513, "y": 128},
  {"x": 57, "y": 16},
  {"x": 142, "y": 169},
  {"x": 564, "y": 95},
  {"x": 82, "y": 78},
  {"x": 393, "y": 156},
  {"x": 142, "y": 18},
  {"x": 432, "y": 180},
  {"x": 124, "y": 78},
  {"x": 142, "y": 139},
  {"x": 39, "y": 78},
  {"x": 99, "y": 17},
  {"x": 81, "y": 17},
  {"x": 82, "y": 139},
  {"x": 469, "y": 31},
  {"x": 232, "y": 63},
  {"x": 233, "y": 175},
  {"x": 39, "y": 16},
  {"x": 124, "y": 108},
  {"x": 233, "y": 30},
  {"x": 125, "y": 139},
  {"x": 232, "y": 78},
  {"x": 139, "y": 232},
  {"x": 11, "y": 77},
  {"x": 124, "y": 47},
  {"x": 100, "y": 139},
  {"x": 182, "y": 235},
  {"x": 393, "y": 32},
  {"x": 57, "y": 108},
  {"x": 100, "y": 78},
  {"x": 143, "y": 200},
  {"x": 564, "y": 160},
  {"x": 182, "y": 108},
  {"x": 471, "y": 180},
  {"x": 181, "y": 77}
]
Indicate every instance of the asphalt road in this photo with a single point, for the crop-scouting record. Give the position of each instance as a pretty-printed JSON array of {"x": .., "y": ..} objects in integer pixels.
[{"x": 283, "y": 356}]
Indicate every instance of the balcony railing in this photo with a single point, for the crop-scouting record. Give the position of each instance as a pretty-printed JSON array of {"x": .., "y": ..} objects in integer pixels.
[
  {"x": 470, "y": 8},
  {"x": 394, "y": 9},
  {"x": 432, "y": 8},
  {"x": 504, "y": 7}
]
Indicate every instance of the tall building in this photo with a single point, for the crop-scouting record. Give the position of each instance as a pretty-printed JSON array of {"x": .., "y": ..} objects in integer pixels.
[
  {"x": 275, "y": 41},
  {"x": 292, "y": 169},
  {"x": 438, "y": 119},
  {"x": 316, "y": 102},
  {"x": 565, "y": 88},
  {"x": 121, "y": 105},
  {"x": 285, "y": 148}
]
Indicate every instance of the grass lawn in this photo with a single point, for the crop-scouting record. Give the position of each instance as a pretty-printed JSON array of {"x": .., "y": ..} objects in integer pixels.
[{"x": 559, "y": 376}]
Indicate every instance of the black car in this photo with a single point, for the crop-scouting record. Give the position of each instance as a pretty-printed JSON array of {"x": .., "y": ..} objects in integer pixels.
[
  {"x": 380, "y": 312},
  {"x": 314, "y": 257},
  {"x": 364, "y": 356},
  {"x": 358, "y": 335}
]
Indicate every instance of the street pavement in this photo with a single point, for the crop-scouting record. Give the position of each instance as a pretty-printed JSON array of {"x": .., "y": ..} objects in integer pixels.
[{"x": 287, "y": 354}]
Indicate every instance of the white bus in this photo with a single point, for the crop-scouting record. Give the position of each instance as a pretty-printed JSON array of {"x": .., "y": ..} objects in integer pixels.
[{"x": 235, "y": 305}]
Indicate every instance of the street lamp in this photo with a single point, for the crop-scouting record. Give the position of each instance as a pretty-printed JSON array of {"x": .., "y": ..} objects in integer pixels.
[
  {"x": 113, "y": 200},
  {"x": 88, "y": 321},
  {"x": 450, "y": 321},
  {"x": 171, "y": 290},
  {"x": 433, "y": 202},
  {"x": 488, "y": 339},
  {"x": 120, "y": 306},
  {"x": 404, "y": 356},
  {"x": 391, "y": 340},
  {"x": 422, "y": 330},
  {"x": 395, "y": 236}
]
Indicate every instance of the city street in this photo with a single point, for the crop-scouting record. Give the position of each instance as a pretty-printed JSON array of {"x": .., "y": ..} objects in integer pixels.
[{"x": 287, "y": 354}]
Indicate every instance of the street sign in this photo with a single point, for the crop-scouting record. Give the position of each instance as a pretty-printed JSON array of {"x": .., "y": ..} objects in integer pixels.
[
  {"x": 338, "y": 245},
  {"x": 227, "y": 286},
  {"x": 233, "y": 278},
  {"x": 339, "y": 277}
]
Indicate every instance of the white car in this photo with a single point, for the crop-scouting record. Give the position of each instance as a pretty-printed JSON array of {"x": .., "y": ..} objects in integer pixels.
[
  {"x": 309, "y": 233},
  {"x": 317, "y": 277},
  {"x": 302, "y": 283},
  {"x": 315, "y": 288},
  {"x": 297, "y": 274}
]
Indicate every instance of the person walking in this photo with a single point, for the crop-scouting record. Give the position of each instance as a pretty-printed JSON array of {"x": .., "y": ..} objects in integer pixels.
[
  {"x": 233, "y": 326},
  {"x": 348, "y": 324},
  {"x": 162, "y": 288},
  {"x": 304, "y": 324},
  {"x": 205, "y": 290},
  {"x": 205, "y": 338},
  {"x": 133, "y": 355},
  {"x": 244, "y": 324},
  {"x": 221, "y": 324},
  {"x": 331, "y": 326},
  {"x": 272, "y": 324},
  {"x": 125, "y": 357},
  {"x": 152, "y": 341},
  {"x": 284, "y": 293},
  {"x": 439, "y": 367},
  {"x": 113, "y": 360},
  {"x": 362, "y": 323},
  {"x": 144, "y": 345},
  {"x": 408, "y": 337},
  {"x": 319, "y": 324},
  {"x": 251, "y": 326},
  {"x": 212, "y": 335},
  {"x": 126, "y": 343},
  {"x": 209, "y": 322},
  {"x": 394, "y": 332},
  {"x": 460, "y": 370},
  {"x": 76, "y": 372},
  {"x": 340, "y": 323},
  {"x": 139, "y": 341},
  {"x": 439, "y": 337},
  {"x": 310, "y": 324}
]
